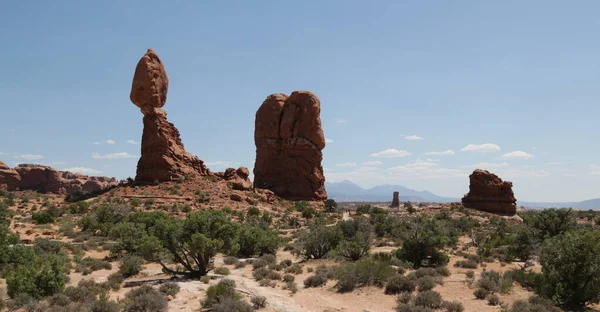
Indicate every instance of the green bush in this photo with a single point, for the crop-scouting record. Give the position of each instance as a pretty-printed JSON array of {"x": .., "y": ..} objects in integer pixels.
[
  {"x": 571, "y": 270},
  {"x": 130, "y": 265},
  {"x": 481, "y": 293},
  {"x": 427, "y": 283},
  {"x": 330, "y": 205},
  {"x": 494, "y": 300},
  {"x": 215, "y": 294},
  {"x": 422, "y": 243},
  {"x": 114, "y": 281},
  {"x": 362, "y": 273},
  {"x": 398, "y": 284},
  {"x": 43, "y": 217},
  {"x": 258, "y": 302},
  {"x": 294, "y": 269},
  {"x": 454, "y": 306},
  {"x": 404, "y": 298},
  {"x": 466, "y": 264},
  {"x": 317, "y": 241},
  {"x": 256, "y": 240},
  {"x": 429, "y": 299},
  {"x": 260, "y": 263},
  {"x": 230, "y": 305},
  {"x": 169, "y": 289},
  {"x": 222, "y": 271},
  {"x": 230, "y": 260},
  {"x": 145, "y": 299},
  {"x": 316, "y": 280},
  {"x": 288, "y": 278},
  {"x": 43, "y": 276},
  {"x": 551, "y": 222}
]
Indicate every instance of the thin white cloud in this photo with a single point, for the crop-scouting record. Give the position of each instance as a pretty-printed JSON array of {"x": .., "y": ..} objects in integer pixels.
[
  {"x": 446, "y": 152},
  {"x": 2, "y": 153},
  {"x": 96, "y": 143},
  {"x": 222, "y": 163},
  {"x": 426, "y": 170},
  {"x": 413, "y": 138},
  {"x": 481, "y": 148},
  {"x": 554, "y": 163},
  {"x": 328, "y": 140},
  {"x": 113, "y": 156},
  {"x": 83, "y": 170},
  {"x": 391, "y": 153},
  {"x": 29, "y": 156},
  {"x": 488, "y": 165},
  {"x": 340, "y": 121},
  {"x": 348, "y": 164},
  {"x": 594, "y": 169},
  {"x": 372, "y": 163},
  {"x": 517, "y": 154},
  {"x": 58, "y": 163},
  {"x": 132, "y": 142},
  {"x": 110, "y": 142}
]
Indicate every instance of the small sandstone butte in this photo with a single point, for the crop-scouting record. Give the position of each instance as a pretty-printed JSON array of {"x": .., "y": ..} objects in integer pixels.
[
  {"x": 487, "y": 192},
  {"x": 9, "y": 178},
  {"x": 395, "y": 200},
  {"x": 39, "y": 178},
  {"x": 289, "y": 140},
  {"x": 163, "y": 155}
]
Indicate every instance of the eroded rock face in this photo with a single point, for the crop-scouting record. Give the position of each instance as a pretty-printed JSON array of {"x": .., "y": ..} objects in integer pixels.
[
  {"x": 237, "y": 177},
  {"x": 289, "y": 140},
  {"x": 163, "y": 155},
  {"x": 395, "y": 200},
  {"x": 9, "y": 178},
  {"x": 39, "y": 178},
  {"x": 487, "y": 192}
]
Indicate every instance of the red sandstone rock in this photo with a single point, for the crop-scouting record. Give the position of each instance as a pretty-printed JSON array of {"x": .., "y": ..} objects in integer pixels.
[
  {"x": 237, "y": 197},
  {"x": 289, "y": 139},
  {"x": 487, "y": 192},
  {"x": 163, "y": 155},
  {"x": 395, "y": 200},
  {"x": 237, "y": 178},
  {"x": 39, "y": 178},
  {"x": 9, "y": 177}
]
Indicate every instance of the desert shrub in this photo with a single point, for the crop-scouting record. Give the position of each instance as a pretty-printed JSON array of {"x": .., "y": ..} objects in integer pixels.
[
  {"x": 260, "y": 263},
  {"x": 145, "y": 299},
  {"x": 362, "y": 273},
  {"x": 42, "y": 276},
  {"x": 43, "y": 217},
  {"x": 231, "y": 304},
  {"x": 330, "y": 205},
  {"x": 253, "y": 211},
  {"x": 288, "y": 278},
  {"x": 481, "y": 293},
  {"x": 258, "y": 302},
  {"x": 114, "y": 281},
  {"x": 128, "y": 235},
  {"x": 268, "y": 258},
  {"x": 454, "y": 306},
  {"x": 427, "y": 283},
  {"x": 273, "y": 275},
  {"x": 292, "y": 287},
  {"x": 104, "y": 304},
  {"x": 260, "y": 273},
  {"x": 315, "y": 281},
  {"x": 523, "y": 246},
  {"x": 466, "y": 264},
  {"x": 191, "y": 243},
  {"x": 571, "y": 274},
  {"x": 404, "y": 298},
  {"x": 493, "y": 300},
  {"x": 225, "y": 289},
  {"x": 399, "y": 284},
  {"x": 130, "y": 265},
  {"x": 257, "y": 240},
  {"x": 429, "y": 299},
  {"x": 285, "y": 263},
  {"x": 317, "y": 241},
  {"x": 326, "y": 271},
  {"x": 294, "y": 269},
  {"x": 422, "y": 243},
  {"x": 230, "y": 260},
  {"x": 240, "y": 264},
  {"x": 356, "y": 241},
  {"x": 104, "y": 217},
  {"x": 205, "y": 279},
  {"x": 551, "y": 222},
  {"x": 443, "y": 271},
  {"x": 169, "y": 289},
  {"x": 534, "y": 304},
  {"x": 222, "y": 270}
]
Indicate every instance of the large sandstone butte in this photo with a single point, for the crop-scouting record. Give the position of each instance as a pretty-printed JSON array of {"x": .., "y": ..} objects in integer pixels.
[
  {"x": 487, "y": 192},
  {"x": 289, "y": 140},
  {"x": 9, "y": 178},
  {"x": 163, "y": 156},
  {"x": 395, "y": 200}
]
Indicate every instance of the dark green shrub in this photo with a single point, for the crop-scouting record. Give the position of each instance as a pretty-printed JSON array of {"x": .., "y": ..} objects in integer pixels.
[
  {"x": 169, "y": 289},
  {"x": 427, "y": 283},
  {"x": 268, "y": 258},
  {"x": 130, "y": 265},
  {"x": 260, "y": 273},
  {"x": 494, "y": 300},
  {"x": 454, "y": 306},
  {"x": 115, "y": 280},
  {"x": 398, "y": 284},
  {"x": 223, "y": 290},
  {"x": 362, "y": 273},
  {"x": 229, "y": 304},
  {"x": 317, "y": 241},
  {"x": 104, "y": 304},
  {"x": 260, "y": 263},
  {"x": 404, "y": 298},
  {"x": 230, "y": 260},
  {"x": 422, "y": 243},
  {"x": 288, "y": 278},
  {"x": 43, "y": 277},
  {"x": 294, "y": 269},
  {"x": 222, "y": 271},
  {"x": 145, "y": 299},
  {"x": 330, "y": 205},
  {"x": 481, "y": 293},
  {"x": 466, "y": 264},
  {"x": 551, "y": 222},
  {"x": 429, "y": 299},
  {"x": 315, "y": 281},
  {"x": 43, "y": 217}
]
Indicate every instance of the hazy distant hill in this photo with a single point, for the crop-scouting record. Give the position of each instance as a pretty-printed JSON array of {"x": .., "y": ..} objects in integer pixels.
[{"x": 347, "y": 191}]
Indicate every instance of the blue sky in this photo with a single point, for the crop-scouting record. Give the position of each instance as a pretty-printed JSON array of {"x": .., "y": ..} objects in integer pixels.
[{"x": 521, "y": 77}]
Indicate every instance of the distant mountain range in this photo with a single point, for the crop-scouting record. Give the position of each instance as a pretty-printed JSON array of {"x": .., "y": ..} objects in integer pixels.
[{"x": 346, "y": 191}]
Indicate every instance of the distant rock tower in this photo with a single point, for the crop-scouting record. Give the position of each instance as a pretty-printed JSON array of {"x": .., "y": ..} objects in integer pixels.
[
  {"x": 289, "y": 140},
  {"x": 487, "y": 192},
  {"x": 395, "y": 201},
  {"x": 163, "y": 156}
]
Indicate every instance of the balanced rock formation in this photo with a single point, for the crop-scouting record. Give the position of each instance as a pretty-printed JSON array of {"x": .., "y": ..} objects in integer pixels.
[
  {"x": 9, "y": 178},
  {"x": 395, "y": 200},
  {"x": 237, "y": 177},
  {"x": 163, "y": 156},
  {"x": 487, "y": 192},
  {"x": 289, "y": 140}
]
